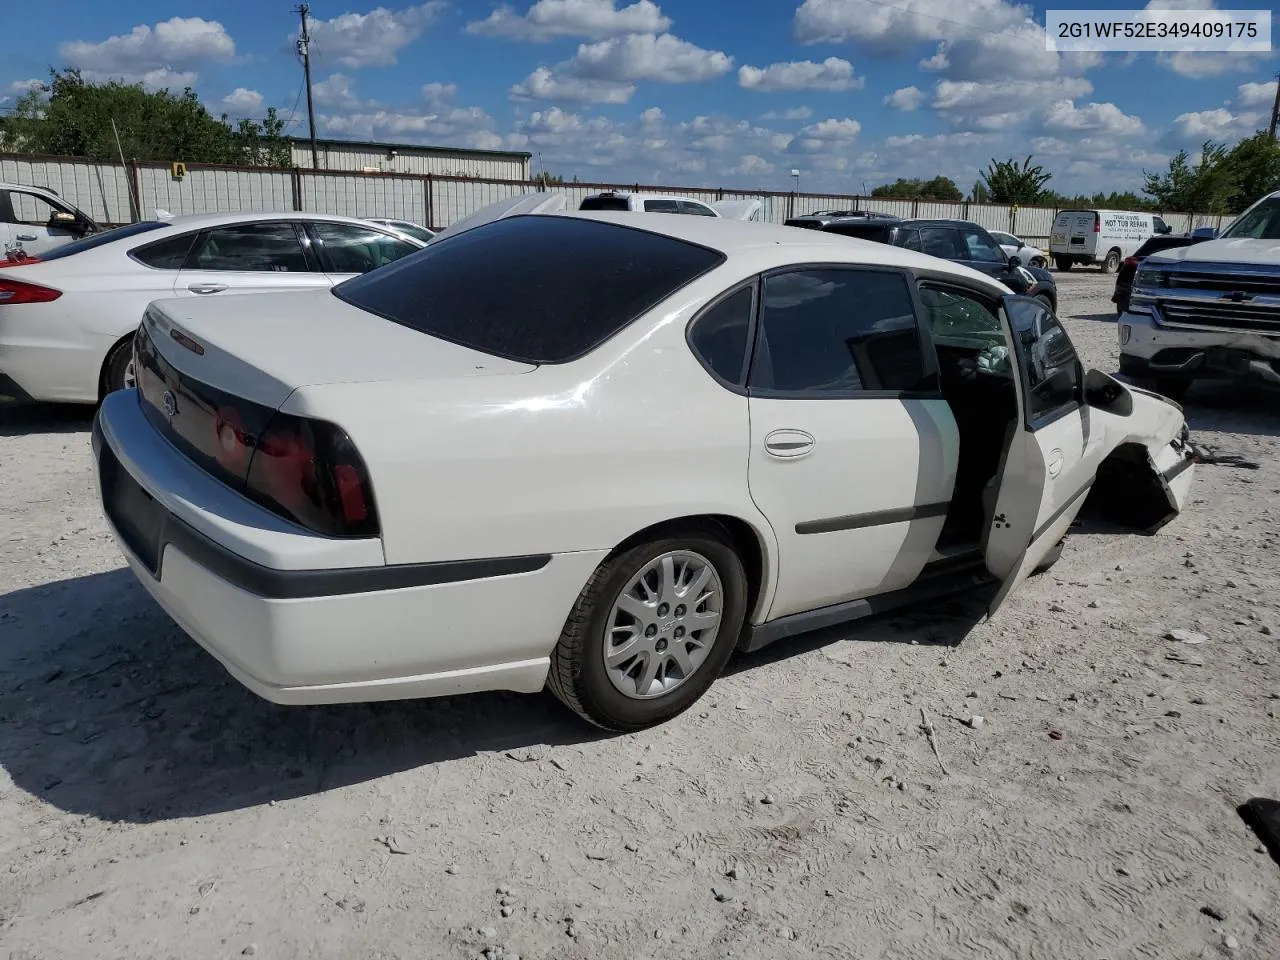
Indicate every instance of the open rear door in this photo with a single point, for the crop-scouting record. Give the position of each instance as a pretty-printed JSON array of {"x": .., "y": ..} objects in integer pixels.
[{"x": 1053, "y": 454}]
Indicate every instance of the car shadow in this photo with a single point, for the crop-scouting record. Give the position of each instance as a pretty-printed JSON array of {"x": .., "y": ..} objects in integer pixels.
[
  {"x": 127, "y": 719},
  {"x": 1111, "y": 317},
  {"x": 1230, "y": 407},
  {"x": 18, "y": 419}
]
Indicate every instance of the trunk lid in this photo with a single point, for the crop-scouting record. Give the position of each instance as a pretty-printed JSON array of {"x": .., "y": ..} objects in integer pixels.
[{"x": 262, "y": 347}]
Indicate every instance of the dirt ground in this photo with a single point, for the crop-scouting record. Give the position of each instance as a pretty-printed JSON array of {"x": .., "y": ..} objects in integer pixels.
[{"x": 151, "y": 808}]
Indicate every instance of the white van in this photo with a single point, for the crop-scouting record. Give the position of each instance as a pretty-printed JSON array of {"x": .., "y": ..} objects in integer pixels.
[{"x": 1100, "y": 236}]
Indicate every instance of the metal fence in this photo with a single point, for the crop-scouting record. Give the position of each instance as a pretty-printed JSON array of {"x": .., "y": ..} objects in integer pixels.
[{"x": 115, "y": 193}]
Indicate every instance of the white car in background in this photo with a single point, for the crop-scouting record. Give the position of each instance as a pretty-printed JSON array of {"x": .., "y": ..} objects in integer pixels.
[
  {"x": 1016, "y": 247},
  {"x": 601, "y": 452},
  {"x": 67, "y": 318},
  {"x": 660, "y": 203},
  {"x": 415, "y": 230},
  {"x": 34, "y": 220}
]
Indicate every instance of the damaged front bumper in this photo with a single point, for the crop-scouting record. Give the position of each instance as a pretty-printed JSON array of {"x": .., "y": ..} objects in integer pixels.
[{"x": 1152, "y": 350}]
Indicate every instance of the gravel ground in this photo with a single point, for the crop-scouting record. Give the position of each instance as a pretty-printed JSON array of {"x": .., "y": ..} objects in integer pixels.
[{"x": 149, "y": 807}]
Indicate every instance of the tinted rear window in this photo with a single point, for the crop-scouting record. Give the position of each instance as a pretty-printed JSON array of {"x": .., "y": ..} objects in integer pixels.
[
  {"x": 863, "y": 231},
  {"x": 98, "y": 239},
  {"x": 1156, "y": 244},
  {"x": 536, "y": 289},
  {"x": 605, "y": 203}
]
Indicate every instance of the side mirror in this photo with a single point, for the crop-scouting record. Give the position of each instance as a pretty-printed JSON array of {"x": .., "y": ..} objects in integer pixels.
[
  {"x": 1015, "y": 261},
  {"x": 62, "y": 220},
  {"x": 1021, "y": 244},
  {"x": 1106, "y": 393}
]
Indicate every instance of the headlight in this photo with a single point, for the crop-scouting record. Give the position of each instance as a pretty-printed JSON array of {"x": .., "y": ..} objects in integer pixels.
[{"x": 1150, "y": 277}]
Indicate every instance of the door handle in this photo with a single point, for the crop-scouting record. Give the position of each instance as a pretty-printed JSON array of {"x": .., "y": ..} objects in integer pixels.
[
  {"x": 27, "y": 236},
  {"x": 203, "y": 288},
  {"x": 1055, "y": 462},
  {"x": 788, "y": 444}
]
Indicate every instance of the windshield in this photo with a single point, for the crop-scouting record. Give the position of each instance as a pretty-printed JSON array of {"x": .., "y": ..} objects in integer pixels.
[
  {"x": 531, "y": 288},
  {"x": 98, "y": 239},
  {"x": 1260, "y": 223}
]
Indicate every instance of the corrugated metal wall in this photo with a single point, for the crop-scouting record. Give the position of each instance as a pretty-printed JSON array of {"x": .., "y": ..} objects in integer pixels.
[
  {"x": 103, "y": 191},
  {"x": 440, "y": 163}
]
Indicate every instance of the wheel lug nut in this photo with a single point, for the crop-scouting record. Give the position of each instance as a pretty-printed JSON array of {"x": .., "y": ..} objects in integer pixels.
[
  {"x": 651, "y": 631},
  {"x": 679, "y": 632},
  {"x": 663, "y": 609},
  {"x": 661, "y": 645},
  {"x": 680, "y": 611}
]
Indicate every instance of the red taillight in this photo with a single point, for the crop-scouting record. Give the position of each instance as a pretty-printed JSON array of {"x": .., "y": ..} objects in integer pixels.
[
  {"x": 1097, "y": 223},
  {"x": 309, "y": 471},
  {"x": 230, "y": 442},
  {"x": 1131, "y": 261},
  {"x": 16, "y": 291}
]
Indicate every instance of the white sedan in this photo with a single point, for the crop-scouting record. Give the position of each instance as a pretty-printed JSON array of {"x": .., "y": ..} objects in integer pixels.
[
  {"x": 602, "y": 452},
  {"x": 1015, "y": 247},
  {"x": 67, "y": 317}
]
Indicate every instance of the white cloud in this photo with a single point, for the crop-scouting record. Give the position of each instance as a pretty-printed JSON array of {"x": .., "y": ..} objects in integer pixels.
[
  {"x": 595, "y": 19},
  {"x": 544, "y": 84},
  {"x": 751, "y": 165},
  {"x": 607, "y": 71},
  {"x": 832, "y": 74},
  {"x": 337, "y": 90},
  {"x": 1102, "y": 117},
  {"x": 905, "y": 98},
  {"x": 1016, "y": 52},
  {"x": 243, "y": 101},
  {"x": 899, "y": 26},
  {"x": 156, "y": 56},
  {"x": 795, "y": 113},
  {"x": 1251, "y": 94},
  {"x": 371, "y": 39},
  {"x": 965, "y": 100},
  {"x": 1220, "y": 125},
  {"x": 652, "y": 117},
  {"x": 439, "y": 92},
  {"x": 1198, "y": 66},
  {"x": 24, "y": 86},
  {"x": 554, "y": 120},
  {"x": 832, "y": 129}
]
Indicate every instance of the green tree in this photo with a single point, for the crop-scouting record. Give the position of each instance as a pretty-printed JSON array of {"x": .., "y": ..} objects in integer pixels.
[
  {"x": 939, "y": 188},
  {"x": 1010, "y": 183},
  {"x": 1255, "y": 165},
  {"x": 1206, "y": 187},
  {"x": 69, "y": 116},
  {"x": 979, "y": 193},
  {"x": 547, "y": 179}
]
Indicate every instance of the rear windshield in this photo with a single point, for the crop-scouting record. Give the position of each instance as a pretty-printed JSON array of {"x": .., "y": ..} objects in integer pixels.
[
  {"x": 807, "y": 224},
  {"x": 605, "y": 203},
  {"x": 1156, "y": 244},
  {"x": 98, "y": 239},
  {"x": 536, "y": 289}
]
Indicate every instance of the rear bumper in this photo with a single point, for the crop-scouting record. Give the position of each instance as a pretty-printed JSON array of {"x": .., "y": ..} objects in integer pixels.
[
  {"x": 1149, "y": 349},
  {"x": 337, "y": 633}
]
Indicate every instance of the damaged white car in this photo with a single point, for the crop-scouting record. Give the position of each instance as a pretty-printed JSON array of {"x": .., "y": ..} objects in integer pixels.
[{"x": 601, "y": 453}]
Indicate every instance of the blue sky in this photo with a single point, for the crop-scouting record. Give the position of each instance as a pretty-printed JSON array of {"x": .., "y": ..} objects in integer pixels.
[{"x": 694, "y": 92}]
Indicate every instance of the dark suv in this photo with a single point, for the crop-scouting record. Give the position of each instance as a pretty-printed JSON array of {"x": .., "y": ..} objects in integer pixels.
[{"x": 957, "y": 240}]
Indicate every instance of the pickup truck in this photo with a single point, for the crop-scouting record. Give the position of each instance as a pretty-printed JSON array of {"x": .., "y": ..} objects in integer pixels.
[
  {"x": 1210, "y": 310},
  {"x": 34, "y": 220}
]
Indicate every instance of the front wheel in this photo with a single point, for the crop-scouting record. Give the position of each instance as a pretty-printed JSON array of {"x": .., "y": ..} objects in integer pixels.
[
  {"x": 651, "y": 630},
  {"x": 1037, "y": 261}
]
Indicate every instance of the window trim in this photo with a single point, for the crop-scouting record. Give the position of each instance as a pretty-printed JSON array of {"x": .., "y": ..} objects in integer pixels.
[
  {"x": 315, "y": 243},
  {"x": 304, "y": 240},
  {"x": 9, "y": 213},
  {"x": 748, "y": 355},
  {"x": 928, "y": 358}
]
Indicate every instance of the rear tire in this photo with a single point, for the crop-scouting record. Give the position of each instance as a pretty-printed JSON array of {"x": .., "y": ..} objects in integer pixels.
[
  {"x": 1063, "y": 264},
  {"x": 117, "y": 372},
  {"x": 1037, "y": 262},
  {"x": 1112, "y": 262},
  {"x": 623, "y": 692}
]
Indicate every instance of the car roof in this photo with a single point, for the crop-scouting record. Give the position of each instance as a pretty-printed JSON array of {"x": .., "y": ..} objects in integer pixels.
[
  {"x": 199, "y": 220},
  {"x": 28, "y": 186},
  {"x": 775, "y": 245}
]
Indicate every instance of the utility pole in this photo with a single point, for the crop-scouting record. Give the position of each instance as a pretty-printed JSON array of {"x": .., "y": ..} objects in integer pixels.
[
  {"x": 1275, "y": 110},
  {"x": 304, "y": 51}
]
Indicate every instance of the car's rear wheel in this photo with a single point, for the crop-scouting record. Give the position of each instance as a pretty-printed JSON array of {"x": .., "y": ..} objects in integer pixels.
[
  {"x": 1063, "y": 263},
  {"x": 1112, "y": 262},
  {"x": 117, "y": 372},
  {"x": 1037, "y": 261},
  {"x": 651, "y": 630}
]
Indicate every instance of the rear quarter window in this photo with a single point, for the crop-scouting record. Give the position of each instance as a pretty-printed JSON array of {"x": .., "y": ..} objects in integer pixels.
[
  {"x": 605, "y": 203},
  {"x": 534, "y": 289}
]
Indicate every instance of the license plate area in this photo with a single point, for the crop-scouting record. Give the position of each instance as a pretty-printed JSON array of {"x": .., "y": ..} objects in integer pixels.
[{"x": 134, "y": 512}]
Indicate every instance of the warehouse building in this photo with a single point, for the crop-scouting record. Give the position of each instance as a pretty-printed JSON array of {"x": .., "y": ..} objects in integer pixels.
[{"x": 368, "y": 156}]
